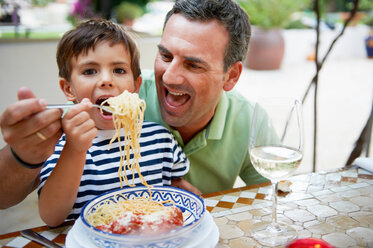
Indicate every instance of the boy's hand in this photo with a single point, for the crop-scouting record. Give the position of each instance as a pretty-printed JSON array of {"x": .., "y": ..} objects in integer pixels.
[{"x": 78, "y": 126}]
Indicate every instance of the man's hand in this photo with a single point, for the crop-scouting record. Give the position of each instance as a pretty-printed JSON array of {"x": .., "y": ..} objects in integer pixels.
[
  {"x": 31, "y": 132},
  {"x": 30, "y": 129},
  {"x": 183, "y": 184}
]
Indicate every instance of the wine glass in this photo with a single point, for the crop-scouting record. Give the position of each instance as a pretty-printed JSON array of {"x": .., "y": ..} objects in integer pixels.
[{"x": 276, "y": 150}]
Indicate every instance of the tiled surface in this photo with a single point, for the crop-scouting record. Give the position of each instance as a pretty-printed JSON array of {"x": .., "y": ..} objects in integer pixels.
[
  {"x": 335, "y": 206},
  {"x": 15, "y": 239}
]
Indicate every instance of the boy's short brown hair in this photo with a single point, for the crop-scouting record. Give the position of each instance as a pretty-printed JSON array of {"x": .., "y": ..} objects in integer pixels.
[{"x": 86, "y": 36}]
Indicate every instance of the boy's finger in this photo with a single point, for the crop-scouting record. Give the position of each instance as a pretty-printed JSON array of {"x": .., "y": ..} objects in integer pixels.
[{"x": 79, "y": 107}]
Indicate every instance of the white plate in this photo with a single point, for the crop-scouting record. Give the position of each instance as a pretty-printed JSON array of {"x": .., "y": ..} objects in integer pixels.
[{"x": 207, "y": 235}]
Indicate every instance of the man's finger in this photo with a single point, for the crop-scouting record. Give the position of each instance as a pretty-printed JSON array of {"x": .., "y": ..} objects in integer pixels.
[
  {"x": 25, "y": 93},
  {"x": 21, "y": 110}
]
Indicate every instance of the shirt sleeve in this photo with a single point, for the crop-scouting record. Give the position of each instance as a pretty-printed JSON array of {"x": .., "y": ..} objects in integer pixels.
[
  {"x": 248, "y": 173},
  {"x": 180, "y": 165},
  {"x": 50, "y": 163}
]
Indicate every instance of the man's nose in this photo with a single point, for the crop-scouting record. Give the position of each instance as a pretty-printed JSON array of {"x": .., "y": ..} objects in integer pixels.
[{"x": 173, "y": 73}]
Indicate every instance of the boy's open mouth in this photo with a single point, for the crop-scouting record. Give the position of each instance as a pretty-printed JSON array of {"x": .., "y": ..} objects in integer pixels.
[{"x": 99, "y": 101}]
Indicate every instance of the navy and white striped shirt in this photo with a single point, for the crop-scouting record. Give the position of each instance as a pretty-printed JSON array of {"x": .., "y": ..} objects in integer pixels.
[{"x": 161, "y": 159}]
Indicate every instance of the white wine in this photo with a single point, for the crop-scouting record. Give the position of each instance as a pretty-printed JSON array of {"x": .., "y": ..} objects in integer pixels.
[{"x": 275, "y": 162}]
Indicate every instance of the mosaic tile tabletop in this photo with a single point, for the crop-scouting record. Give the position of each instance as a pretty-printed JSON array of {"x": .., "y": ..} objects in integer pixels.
[{"x": 335, "y": 206}]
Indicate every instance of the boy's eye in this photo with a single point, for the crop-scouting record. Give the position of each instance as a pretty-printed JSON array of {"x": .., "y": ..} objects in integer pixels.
[
  {"x": 119, "y": 71},
  {"x": 89, "y": 71}
]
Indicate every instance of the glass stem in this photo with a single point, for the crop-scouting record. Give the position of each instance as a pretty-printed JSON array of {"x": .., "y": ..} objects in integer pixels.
[{"x": 274, "y": 202}]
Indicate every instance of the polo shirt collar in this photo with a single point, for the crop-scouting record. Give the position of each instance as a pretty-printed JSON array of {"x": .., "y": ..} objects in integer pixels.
[{"x": 217, "y": 124}]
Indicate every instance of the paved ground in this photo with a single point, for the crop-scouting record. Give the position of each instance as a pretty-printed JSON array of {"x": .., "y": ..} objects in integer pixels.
[{"x": 345, "y": 99}]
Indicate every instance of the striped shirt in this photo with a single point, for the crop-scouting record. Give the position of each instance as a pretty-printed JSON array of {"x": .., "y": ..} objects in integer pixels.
[{"x": 161, "y": 159}]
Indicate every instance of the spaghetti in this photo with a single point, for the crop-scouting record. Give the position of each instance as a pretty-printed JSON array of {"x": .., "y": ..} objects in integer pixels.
[
  {"x": 139, "y": 215},
  {"x": 128, "y": 113},
  {"x": 136, "y": 216}
]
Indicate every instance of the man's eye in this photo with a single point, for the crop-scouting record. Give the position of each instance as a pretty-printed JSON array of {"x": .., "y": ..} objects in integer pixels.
[
  {"x": 166, "y": 57},
  {"x": 89, "y": 71},
  {"x": 119, "y": 71},
  {"x": 194, "y": 66}
]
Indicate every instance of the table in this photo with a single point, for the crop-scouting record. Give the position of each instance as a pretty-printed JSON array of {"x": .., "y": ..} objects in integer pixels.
[{"x": 336, "y": 206}]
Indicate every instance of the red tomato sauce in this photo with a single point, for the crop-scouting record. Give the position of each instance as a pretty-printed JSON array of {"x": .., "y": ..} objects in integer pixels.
[{"x": 141, "y": 224}]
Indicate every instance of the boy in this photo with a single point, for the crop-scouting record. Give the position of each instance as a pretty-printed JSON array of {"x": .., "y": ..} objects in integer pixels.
[{"x": 98, "y": 60}]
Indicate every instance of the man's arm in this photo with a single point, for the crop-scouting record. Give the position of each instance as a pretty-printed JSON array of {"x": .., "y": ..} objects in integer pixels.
[
  {"x": 20, "y": 123},
  {"x": 16, "y": 182},
  {"x": 183, "y": 184}
]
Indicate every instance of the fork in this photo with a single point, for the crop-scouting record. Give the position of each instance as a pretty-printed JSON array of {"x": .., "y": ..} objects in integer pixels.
[
  {"x": 34, "y": 236},
  {"x": 65, "y": 106}
]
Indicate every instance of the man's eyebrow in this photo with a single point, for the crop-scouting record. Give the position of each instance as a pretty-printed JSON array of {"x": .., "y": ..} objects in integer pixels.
[
  {"x": 196, "y": 60},
  {"x": 163, "y": 49},
  {"x": 188, "y": 58}
]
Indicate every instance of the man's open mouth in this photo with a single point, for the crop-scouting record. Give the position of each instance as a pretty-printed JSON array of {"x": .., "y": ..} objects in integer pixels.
[{"x": 176, "y": 99}]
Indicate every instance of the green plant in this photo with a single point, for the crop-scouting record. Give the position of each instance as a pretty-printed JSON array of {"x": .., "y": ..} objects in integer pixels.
[
  {"x": 128, "y": 11},
  {"x": 269, "y": 14},
  {"x": 364, "y": 5},
  {"x": 40, "y": 3},
  {"x": 368, "y": 20}
]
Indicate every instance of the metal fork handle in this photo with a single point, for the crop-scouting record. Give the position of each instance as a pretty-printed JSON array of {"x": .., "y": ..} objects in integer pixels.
[
  {"x": 64, "y": 106},
  {"x": 34, "y": 236}
]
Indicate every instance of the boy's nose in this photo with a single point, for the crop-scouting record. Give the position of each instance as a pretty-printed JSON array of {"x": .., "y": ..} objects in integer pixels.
[
  {"x": 106, "y": 80},
  {"x": 106, "y": 84}
]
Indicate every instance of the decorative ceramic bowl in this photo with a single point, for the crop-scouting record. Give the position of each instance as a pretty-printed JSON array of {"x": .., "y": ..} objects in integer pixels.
[{"x": 191, "y": 205}]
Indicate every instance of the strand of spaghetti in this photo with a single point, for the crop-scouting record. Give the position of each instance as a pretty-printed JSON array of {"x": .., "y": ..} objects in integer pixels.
[{"x": 128, "y": 113}]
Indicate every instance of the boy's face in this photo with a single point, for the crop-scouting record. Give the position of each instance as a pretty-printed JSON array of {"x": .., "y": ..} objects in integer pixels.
[{"x": 103, "y": 72}]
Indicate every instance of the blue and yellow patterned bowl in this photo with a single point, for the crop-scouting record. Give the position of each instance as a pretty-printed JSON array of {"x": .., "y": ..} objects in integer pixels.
[{"x": 191, "y": 205}]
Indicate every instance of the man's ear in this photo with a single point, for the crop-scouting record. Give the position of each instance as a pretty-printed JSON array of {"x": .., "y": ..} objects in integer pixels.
[
  {"x": 233, "y": 74},
  {"x": 137, "y": 83},
  {"x": 67, "y": 90}
]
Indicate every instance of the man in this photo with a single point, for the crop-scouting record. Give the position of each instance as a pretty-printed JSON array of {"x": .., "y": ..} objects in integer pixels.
[{"x": 199, "y": 61}]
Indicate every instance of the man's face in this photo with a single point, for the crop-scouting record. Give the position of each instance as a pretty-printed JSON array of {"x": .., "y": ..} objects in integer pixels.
[{"x": 189, "y": 72}]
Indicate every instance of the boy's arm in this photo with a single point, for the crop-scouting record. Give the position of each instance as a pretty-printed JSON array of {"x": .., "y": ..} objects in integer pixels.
[{"x": 59, "y": 193}]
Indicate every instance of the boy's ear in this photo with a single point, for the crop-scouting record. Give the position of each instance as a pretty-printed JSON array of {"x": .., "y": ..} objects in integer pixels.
[
  {"x": 137, "y": 83},
  {"x": 67, "y": 89},
  {"x": 233, "y": 74}
]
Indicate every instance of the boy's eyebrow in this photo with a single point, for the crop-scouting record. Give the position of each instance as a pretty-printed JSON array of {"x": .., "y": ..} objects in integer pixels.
[
  {"x": 189, "y": 58},
  {"x": 95, "y": 63}
]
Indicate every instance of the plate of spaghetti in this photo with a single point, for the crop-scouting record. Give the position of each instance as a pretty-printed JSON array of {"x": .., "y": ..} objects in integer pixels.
[{"x": 136, "y": 217}]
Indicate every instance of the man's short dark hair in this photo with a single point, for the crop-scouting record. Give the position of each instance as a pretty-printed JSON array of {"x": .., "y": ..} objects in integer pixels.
[{"x": 229, "y": 13}]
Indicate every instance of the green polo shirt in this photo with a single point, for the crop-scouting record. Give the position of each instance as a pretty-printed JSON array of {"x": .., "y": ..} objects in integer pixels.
[{"x": 218, "y": 154}]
